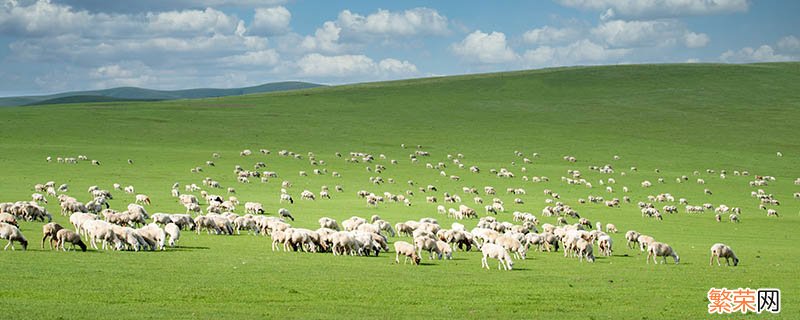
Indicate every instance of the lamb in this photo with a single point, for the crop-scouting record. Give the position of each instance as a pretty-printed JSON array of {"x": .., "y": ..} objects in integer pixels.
[
  {"x": 50, "y": 230},
  {"x": 284, "y": 213},
  {"x": 720, "y": 250},
  {"x": 659, "y": 249},
  {"x": 406, "y": 249},
  {"x": 65, "y": 235},
  {"x": 12, "y": 233},
  {"x": 491, "y": 250},
  {"x": 174, "y": 232}
]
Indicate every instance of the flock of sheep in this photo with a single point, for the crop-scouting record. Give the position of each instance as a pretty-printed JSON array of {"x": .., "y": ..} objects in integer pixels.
[{"x": 135, "y": 229}]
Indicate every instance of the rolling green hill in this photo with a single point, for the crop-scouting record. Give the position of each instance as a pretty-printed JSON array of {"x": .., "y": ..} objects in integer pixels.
[
  {"x": 667, "y": 121},
  {"x": 134, "y": 94}
]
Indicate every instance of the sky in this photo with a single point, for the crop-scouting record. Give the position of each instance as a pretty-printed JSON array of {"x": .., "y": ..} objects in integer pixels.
[{"x": 49, "y": 46}]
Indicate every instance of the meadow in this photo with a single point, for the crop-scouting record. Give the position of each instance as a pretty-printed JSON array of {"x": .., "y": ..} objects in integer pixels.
[{"x": 666, "y": 120}]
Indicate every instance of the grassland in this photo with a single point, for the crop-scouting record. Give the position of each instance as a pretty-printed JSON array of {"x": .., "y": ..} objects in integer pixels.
[{"x": 675, "y": 118}]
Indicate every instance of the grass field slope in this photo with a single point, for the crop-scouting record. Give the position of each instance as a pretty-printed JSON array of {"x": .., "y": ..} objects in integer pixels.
[
  {"x": 141, "y": 94},
  {"x": 667, "y": 121}
]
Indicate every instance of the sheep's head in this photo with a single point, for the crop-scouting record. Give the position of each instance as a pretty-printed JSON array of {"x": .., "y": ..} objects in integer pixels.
[
  {"x": 735, "y": 261},
  {"x": 416, "y": 258},
  {"x": 24, "y": 244}
]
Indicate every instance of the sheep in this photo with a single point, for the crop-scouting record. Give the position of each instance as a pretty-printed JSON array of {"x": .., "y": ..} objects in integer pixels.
[
  {"x": 12, "y": 233},
  {"x": 611, "y": 228},
  {"x": 142, "y": 199},
  {"x": 406, "y": 249},
  {"x": 152, "y": 233},
  {"x": 65, "y": 235},
  {"x": 329, "y": 223},
  {"x": 444, "y": 250},
  {"x": 659, "y": 249},
  {"x": 720, "y": 250},
  {"x": 734, "y": 218},
  {"x": 284, "y": 213},
  {"x": 38, "y": 197},
  {"x": 174, "y": 233},
  {"x": 585, "y": 249},
  {"x": 491, "y": 250},
  {"x": 632, "y": 237},
  {"x": 605, "y": 244},
  {"x": 426, "y": 244},
  {"x": 644, "y": 242},
  {"x": 253, "y": 208},
  {"x": 513, "y": 245},
  {"x": 49, "y": 231},
  {"x": 286, "y": 197}
]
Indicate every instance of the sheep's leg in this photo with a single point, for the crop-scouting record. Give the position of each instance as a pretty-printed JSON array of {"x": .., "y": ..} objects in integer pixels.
[{"x": 9, "y": 244}]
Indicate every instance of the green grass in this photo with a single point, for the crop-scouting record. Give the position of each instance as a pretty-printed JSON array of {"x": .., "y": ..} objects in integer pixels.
[{"x": 676, "y": 118}]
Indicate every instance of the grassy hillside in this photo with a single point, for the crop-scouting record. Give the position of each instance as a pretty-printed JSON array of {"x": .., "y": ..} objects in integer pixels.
[
  {"x": 674, "y": 118},
  {"x": 138, "y": 94}
]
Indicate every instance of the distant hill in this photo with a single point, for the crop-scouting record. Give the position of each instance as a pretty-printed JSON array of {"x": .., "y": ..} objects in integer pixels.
[{"x": 140, "y": 94}]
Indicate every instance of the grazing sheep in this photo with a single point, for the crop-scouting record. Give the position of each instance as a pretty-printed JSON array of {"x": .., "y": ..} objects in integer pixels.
[
  {"x": 50, "y": 230},
  {"x": 174, "y": 232},
  {"x": 611, "y": 228},
  {"x": 445, "y": 251},
  {"x": 329, "y": 223},
  {"x": 12, "y": 233},
  {"x": 644, "y": 242},
  {"x": 283, "y": 212},
  {"x": 406, "y": 249},
  {"x": 585, "y": 249},
  {"x": 512, "y": 244},
  {"x": 491, "y": 250},
  {"x": 65, "y": 235},
  {"x": 720, "y": 250},
  {"x": 659, "y": 249},
  {"x": 632, "y": 237},
  {"x": 605, "y": 243}
]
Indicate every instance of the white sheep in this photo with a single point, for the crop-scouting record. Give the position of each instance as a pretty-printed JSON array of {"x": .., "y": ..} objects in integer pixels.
[
  {"x": 719, "y": 250},
  {"x": 174, "y": 232},
  {"x": 65, "y": 235},
  {"x": 407, "y": 250},
  {"x": 659, "y": 249},
  {"x": 12, "y": 233},
  {"x": 491, "y": 250},
  {"x": 283, "y": 212}
]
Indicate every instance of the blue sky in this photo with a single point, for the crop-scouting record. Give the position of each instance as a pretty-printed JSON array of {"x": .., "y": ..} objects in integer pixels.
[{"x": 61, "y": 45}]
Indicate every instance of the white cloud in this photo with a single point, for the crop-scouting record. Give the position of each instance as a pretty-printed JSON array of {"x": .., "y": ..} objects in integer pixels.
[
  {"x": 659, "y": 8},
  {"x": 341, "y": 66},
  {"x": 417, "y": 21},
  {"x": 763, "y": 53},
  {"x": 647, "y": 33},
  {"x": 325, "y": 39},
  {"x": 125, "y": 73},
  {"x": 789, "y": 43},
  {"x": 208, "y": 21},
  {"x": 268, "y": 57},
  {"x": 696, "y": 40},
  {"x": 485, "y": 48},
  {"x": 550, "y": 35},
  {"x": 271, "y": 21},
  {"x": 582, "y": 52}
]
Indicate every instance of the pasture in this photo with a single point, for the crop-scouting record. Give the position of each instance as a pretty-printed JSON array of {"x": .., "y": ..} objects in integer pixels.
[{"x": 665, "y": 120}]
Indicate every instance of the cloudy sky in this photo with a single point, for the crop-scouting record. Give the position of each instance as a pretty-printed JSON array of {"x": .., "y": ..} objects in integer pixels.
[{"x": 60, "y": 45}]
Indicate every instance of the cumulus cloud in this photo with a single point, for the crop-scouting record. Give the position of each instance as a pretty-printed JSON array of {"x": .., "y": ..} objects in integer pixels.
[
  {"x": 485, "y": 48},
  {"x": 341, "y": 66},
  {"x": 582, "y": 52},
  {"x": 550, "y": 35},
  {"x": 271, "y": 21},
  {"x": 325, "y": 39},
  {"x": 268, "y": 57},
  {"x": 417, "y": 21},
  {"x": 789, "y": 43},
  {"x": 659, "y": 8},
  {"x": 647, "y": 33},
  {"x": 695, "y": 40},
  {"x": 764, "y": 53}
]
